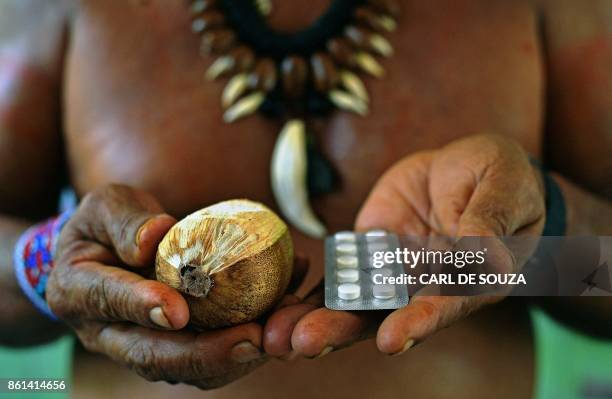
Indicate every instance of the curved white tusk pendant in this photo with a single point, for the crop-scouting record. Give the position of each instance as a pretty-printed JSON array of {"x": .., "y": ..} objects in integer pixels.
[{"x": 288, "y": 174}]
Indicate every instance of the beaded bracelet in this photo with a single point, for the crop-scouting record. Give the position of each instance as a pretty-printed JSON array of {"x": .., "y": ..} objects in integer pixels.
[
  {"x": 33, "y": 260},
  {"x": 556, "y": 210}
]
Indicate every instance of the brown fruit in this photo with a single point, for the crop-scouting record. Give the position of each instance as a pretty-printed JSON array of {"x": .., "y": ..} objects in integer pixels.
[{"x": 232, "y": 261}]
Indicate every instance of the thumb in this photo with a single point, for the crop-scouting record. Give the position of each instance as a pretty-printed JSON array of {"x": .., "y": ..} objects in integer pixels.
[
  {"x": 131, "y": 221},
  {"x": 396, "y": 202}
]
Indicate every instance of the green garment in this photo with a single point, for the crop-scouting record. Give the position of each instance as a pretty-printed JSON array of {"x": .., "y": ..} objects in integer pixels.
[
  {"x": 53, "y": 360},
  {"x": 568, "y": 365}
]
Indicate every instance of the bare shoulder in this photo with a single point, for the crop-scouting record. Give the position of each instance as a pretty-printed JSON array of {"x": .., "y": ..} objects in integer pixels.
[
  {"x": 571, "y": 20},
  {"x": 33, "y": 29},
  {"x": 33, "y": 39},
  {"x": 21, "y": 16},
  {"x": 577, "y": 37}
]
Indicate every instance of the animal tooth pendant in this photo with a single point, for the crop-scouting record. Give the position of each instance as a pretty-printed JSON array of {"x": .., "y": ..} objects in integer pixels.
[
  {"x": 348, "y": 102},
  {"x": 289, "y": 180},
  {"x": 244, "y": 107},
  {"x": 221, "y": 66},
  {"x": 354, "y": 85},
  {"x": 368, "y": 64},
  {"x": 285, "y": 74},
  {"x": 234, "y": 89},
  {"x": 264, "y": 7}
]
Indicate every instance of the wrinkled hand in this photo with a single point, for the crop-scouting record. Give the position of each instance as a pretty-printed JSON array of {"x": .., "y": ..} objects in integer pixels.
[
  {"x": 478, "y": 186},
  {"x": 97, "y": 287}
]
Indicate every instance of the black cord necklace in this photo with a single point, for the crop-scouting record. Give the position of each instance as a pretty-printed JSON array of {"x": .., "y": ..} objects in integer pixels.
[
  {"x": 291, "y": 76},
  {"x": 253, "y": 30}
]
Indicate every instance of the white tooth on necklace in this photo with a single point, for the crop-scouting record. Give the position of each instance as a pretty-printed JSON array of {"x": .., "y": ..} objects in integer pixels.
[
  {"x": 381, "y": 45},
  {"x": 387, "y": 23},
  {"x": 369, "y": 64},
  {"x": 221, "y": 66},
  {"x": 354, "y": 85},
  {"x": 288, "y": 176},
  {"x": 244, "y": 107},
  {"x": 348, "y": 102},
  {"x": 198, "y": 6},
  {"x": 234, "y": 89},
  {"x": 198, "y": 25},
  {"x": 264, "y": 6}
]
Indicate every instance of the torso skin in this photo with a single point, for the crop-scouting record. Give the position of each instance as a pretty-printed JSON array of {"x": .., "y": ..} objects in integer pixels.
[{"x": 137, "y": 110}]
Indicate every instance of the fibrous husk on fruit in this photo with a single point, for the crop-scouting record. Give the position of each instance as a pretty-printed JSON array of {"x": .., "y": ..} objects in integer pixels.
[{"x": 232, "y": 261}]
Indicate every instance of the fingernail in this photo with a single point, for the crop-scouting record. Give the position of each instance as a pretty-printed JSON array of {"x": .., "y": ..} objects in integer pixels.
[
  {"x": 407, "y": 346},
  {"x": 324, "y": 352},
  {"x": 142, "y": 228},
  {"x": 158, "y": 317},
  {"x": 245, "y": 352}
]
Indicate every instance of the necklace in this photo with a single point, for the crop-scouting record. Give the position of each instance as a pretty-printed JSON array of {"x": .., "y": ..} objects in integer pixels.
[{"x": 290, "y": 76}]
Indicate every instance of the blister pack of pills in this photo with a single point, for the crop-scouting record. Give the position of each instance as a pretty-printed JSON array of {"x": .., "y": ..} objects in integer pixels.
[{"x": 353, "y": 280}]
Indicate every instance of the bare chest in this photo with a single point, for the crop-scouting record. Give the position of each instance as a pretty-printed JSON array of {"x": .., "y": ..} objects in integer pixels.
[{"x": 139, "y": 111}]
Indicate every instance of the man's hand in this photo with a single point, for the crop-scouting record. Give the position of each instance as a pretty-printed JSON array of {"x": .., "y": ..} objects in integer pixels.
[
  {"x": 478, "y": 186},
  {"x": 98, "y": 287}
]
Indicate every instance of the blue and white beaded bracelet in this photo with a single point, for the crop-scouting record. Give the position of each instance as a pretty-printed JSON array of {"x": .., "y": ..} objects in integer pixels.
[{"x": 33, "y": 260}]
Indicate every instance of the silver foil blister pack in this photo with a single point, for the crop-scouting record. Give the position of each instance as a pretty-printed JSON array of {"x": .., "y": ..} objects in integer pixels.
[{"x": 350, "y": 272}]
